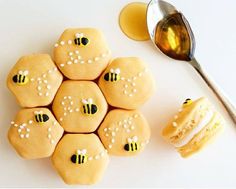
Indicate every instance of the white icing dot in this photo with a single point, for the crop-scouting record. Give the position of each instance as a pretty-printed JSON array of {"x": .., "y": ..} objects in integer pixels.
[
  {"x": 32, "y": 79},
  {"x": 125, "y": 92},
  {"x": 140, "y": 74},
  {"x": 62, "y": 42},
  {"x": 174, "y": 124},
  {"x": 22, "y": 127},
  {"x": 62, "y": 65},
  {"x": 71, "y": 102},
  {"x": 52, "y": 141},
  {"x": 62, "y": 103},
  {"x": 69, "y": 62},
  {"x": 110, "y": 146},
  {"x": 45, "y": 81},
  {"x": 107, "y": 135},
  {"x": 103, "y": 54},
  {"x": 47, "y": 94},
  {"x": 105, "y": 129},
  {"x": 76, "y": 52},
  {"x": 134, "y": 78},
  {"x": 122, "y": 78},
  {"x": 70, "y": 53},
  {"x": 15, "y": 125},
  {"x": 54, "y": 123},
  {"x": 49, "y": 71},
  {"x": 89, "y": 61},
  {"x": 69, "y": 42},
  {"x": 28, "y": 130},
  {"x": 27, "y": 135},
  {"x": 102, "y": 154},
  {"x": 109, "y": 129},
  {"x": 40, "y": 94},
  {"x": 24, "y": 124},
  {"x": 44, "y": 75},
  {"x": 176, "y": 117},
  {"x": 117, "y": 129},
  {"x": 48, "y": 86},
  {"x": 49, "y": 129},
  {"x": 90, "y": 158},
  {"x": 22, "y": 136},
  {"x": 71, "y": 58},
  {"x": 135, "y": 115},
  {"x": 49, "y": 136},
  {"x": 97, "y": 157},
  {"x": 39, "y": 88},
  {"x": 39, "y": 79},
  {"x": 129, "y": 80},
  {"x": 126, "y": 86},
  {"x": 130, "y": 95},
  {"x": 65, "y": 113},
  {"x": 127, "y": 130},
  {"x": 77, "y": 109},
  {"x": 120, "y": 123},
  {"x": 56, "y": 45},
  {"x": 61, "y": 119},
  {"x": 113, "y": 133},
  {"x": 19, "y": 130},
  {"x": 180, "y": 110},
  {"x": 133, "y": 84},
  {"x": 75, "y": 61},
  {"x": 82, "y": 62},
  {"x": 65, "y": 97},
  {"x": 79, "y": 57},
  {"x": 113, "y": 140},
  {"x": 30, "y": 121},
  {"x": 125, "y": 126},
  {"x": 96, "y": 58},
  {"x": 132, "y": 127},
  {"x": 69, "y": 97},
  {"x": 12, "y": 122}
]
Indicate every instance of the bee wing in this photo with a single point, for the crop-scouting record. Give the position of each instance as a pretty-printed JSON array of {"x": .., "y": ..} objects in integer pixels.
[
  {"x": 90, "y": 100},
  {"x": 40, "y": 111},
  {"x": 129, "y": 140},
  {"x": 20, "y": 72},
  {"x": 77, "y": 35},
  {"x": 36, "y": 112},
  {"x": 79, "y": 151},
  {"x": 81, "y": 35},
  {"x": 83, "y": 152},
  {"x": 26, "y": 72},
  {"x": 84, "y": 101},
  {"x": 111, "y": 70},
  {"x": 135, "y": 138},
  {"x": 117, "y": 71}
]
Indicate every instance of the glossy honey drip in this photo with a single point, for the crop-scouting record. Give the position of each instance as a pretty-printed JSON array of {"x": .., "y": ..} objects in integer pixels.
[
  {"x": 132, "y": 21},
  {"x": 174, "y": 38}
]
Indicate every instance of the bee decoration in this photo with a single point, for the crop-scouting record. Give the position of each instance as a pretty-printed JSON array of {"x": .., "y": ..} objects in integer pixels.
[
  {"x": 113, "y": 75},
  {"x": 132, "y": 145},
  {"x": 80, "y": 157},
  {"x": 187, "y": 102},
  {"x": 80, "y": 40},
  {"x": 88, "y": 106},
  {"x": 40, "y": 117},
  {"x": 21, "y": 78}
]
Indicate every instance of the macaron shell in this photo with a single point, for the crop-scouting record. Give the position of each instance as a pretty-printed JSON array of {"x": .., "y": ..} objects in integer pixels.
[{"x": 203, "y": 137}]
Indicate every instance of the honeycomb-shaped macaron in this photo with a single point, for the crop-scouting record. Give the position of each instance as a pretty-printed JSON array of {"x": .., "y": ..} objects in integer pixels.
[
  {"x": 124, "y": 132},
  {"x": 35, "y": 133},
  {"x": 79, "y": 106},
  {"x": 127, "y": 83},
  {"x": 80, "y": 159},
  {"x": 82, "y": 54},
  {"x": 34, "y": 80}
]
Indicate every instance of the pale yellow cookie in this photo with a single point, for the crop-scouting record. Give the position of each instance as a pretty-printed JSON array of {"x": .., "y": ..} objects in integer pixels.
[
  {"x": 124, "y": 132},
  {"x": 82, "y": 53},
  {"x": 34, "y": 133},
  {"x": 127, "y": 83},
  {"x": 80, "y": 159},
  {"x": 79, "y": 106},
  {"x": 34, "y": 80},
  {"x": 195, "y": 124}
]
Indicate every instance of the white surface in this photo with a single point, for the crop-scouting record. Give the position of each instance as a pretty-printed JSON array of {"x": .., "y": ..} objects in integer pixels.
[{"x": 34, "y": 26}]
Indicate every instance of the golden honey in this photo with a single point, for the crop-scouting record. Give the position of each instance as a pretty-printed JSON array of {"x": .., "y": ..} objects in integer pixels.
[
  {"x": 132, "y": 21},
  {"x": 174, "y": 38}
]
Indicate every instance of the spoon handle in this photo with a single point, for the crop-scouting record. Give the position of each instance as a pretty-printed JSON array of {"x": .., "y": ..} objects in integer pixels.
[{"x": 228, "y": 106}]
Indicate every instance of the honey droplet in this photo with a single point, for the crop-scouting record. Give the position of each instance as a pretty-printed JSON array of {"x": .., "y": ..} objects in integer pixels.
[
  {"x": 132, "y": 21},
  {"x": 175, "y": 38}
]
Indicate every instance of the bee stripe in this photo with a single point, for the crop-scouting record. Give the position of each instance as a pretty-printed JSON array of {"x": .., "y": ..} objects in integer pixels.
[
  {"x": 79, "y": 159},
  {"x": 115, "y": 77},
  {"x": 36, "y": 117},
  {"x": 40, "y": 117},
  {"x": 136, "y": 146},
  {"x": 19, "y": 77},
  {"x": 82, "y": 159},
  {"x": 23, "y": 80},
  {"x": 132, "y": 147},
  {"x": 111, "y": 76},
  {"x": 88, "y": 108}
]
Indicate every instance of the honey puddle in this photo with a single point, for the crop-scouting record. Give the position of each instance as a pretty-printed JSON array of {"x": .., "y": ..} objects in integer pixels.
[{"x": 132, "y": 21}]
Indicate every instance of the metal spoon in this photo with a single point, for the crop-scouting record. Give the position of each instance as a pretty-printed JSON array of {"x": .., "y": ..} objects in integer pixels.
[{"x": 157, "y": 12}]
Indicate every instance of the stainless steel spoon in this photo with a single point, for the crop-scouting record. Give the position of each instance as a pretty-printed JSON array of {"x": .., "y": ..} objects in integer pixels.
[{"x": 157, "y": 12}]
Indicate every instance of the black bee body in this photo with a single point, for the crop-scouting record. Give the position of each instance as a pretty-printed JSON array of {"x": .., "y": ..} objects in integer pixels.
[
  {"x": 79, "y": 159},
  {"x": 41, "y": 118},
  {"x": 89, "y": 108},
  {"x": 81, "y": 41}
]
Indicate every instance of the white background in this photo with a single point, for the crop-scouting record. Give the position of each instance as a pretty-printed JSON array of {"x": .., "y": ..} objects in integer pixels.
[{"x": 34, "y": 26}]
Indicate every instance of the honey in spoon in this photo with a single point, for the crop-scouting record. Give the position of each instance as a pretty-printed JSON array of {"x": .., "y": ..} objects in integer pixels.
[{"x": 175, "y": 39}]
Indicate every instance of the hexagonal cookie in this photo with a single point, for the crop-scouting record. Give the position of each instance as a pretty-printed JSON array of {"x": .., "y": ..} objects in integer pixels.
[
  {"x": 79, "y": 106},
  {"x": 126, "y": 83},
  {"x": 34, "y": 80},
  {"x": 34, "y": 133},
  {"x": 82, "y": 53},
  {"x": 124, "y": 132},
  {"x": 80, "y": 159}
]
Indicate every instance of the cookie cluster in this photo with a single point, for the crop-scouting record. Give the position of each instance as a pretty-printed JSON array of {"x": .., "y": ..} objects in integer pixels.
[{"x": 80, "y": 106}]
